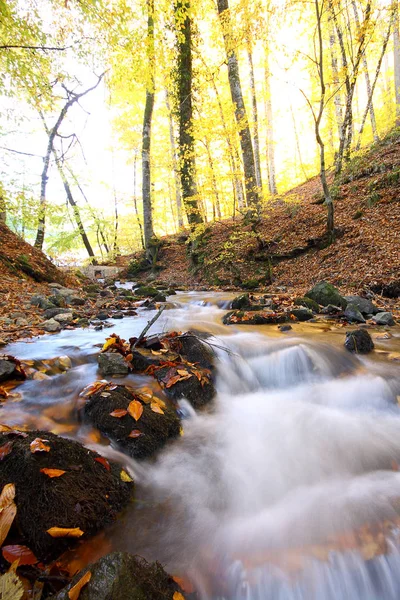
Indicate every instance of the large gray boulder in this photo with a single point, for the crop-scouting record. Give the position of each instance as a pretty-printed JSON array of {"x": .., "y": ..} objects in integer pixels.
[
  {"x": 365, "y": 306},
  {"x": 353, "y": 314},
  {"x": 121, "y": 576},
  {"x": 383, "y": 318},
  {"x": 325, "y": 293}
]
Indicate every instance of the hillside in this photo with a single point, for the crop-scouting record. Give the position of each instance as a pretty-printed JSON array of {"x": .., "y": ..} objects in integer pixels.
[{"x": 287, "y": 247}]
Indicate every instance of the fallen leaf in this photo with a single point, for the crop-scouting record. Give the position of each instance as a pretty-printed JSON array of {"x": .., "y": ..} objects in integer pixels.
[
  {"x": 184, "y": 584},
  {"x": 53, "y": 472},
  {"x": 68, "y": 532},
  {"x": 75, "y": 591},
  {"x": 5, "y": 449},
  {"x": 11, "y": 587},
  {"x": 7, "y": 517},
  {"x": 135, "y": 409},
  {"x": 183, "y": 372},
  {"x": 5, "y": 427},
  {"x": 156, "y": 408},
  {"x": 125, "y": 477},
  {"x": 105, "y": 394},
  {"x": 135, "y": 433},
  {"x": 23, "y": 554},
  {"x": 119, "y": 412},
  {"x": 39, "y": 445},
  {"x": 3, "y": 393},
  {"x": 103, "y": 461},
  {"x": 7, "y": 495},
  {"x": 178, "y": 596},
  {"x": 172, "y": 381},
  {"x": 109, "y": 342}
]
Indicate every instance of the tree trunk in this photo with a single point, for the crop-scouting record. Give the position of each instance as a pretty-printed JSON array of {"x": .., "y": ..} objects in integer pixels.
[
  {"x": 178, "y": 197},
  {"x": 273, "y": 190},
  {"x": 336, "y": 83},
  {"x": 252, "y": 197},
  {"x": 216, "y": 204},
  {"x": 184, "y": 74},
  {"x": 256, "y": 138},
  {"x": 146, "y": 136},
  {"x": 396, "y": 58},
  {"x": 135, "y": 201}
]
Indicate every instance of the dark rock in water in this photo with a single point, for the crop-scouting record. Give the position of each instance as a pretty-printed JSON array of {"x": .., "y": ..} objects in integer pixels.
[
  {"x": 112, "y": 363},
  {"x": 144, "y": 291},
  {"x": 157, "y": 424},
  {"x": 284, "y": 328},
  {"x": 331, "y": 310},
  {"x": 170, "y": 292},
  {"x": 353, "y": 314},
  {"x": 10, "y": 368},
  {"x": 325, "y": 293},
  {"x": 121, "y": 576},
  {"x": 365, "y": 306},
  {"x": 102, "y": 315},
  {"x": 359, "y": 342},
  {"x": 383, "y": 318},
  {"x": 87, "y": 496},
  {"x": 196, "y": 351},
  {"x": 241, "y": 302},
  {"x": 160, "y": 298},
  {"x": 302, "y": 314},
  {"x": 118, "y": 315},
  {"x": 307, "y": 302},
  {"x": 251, "y": 317}
]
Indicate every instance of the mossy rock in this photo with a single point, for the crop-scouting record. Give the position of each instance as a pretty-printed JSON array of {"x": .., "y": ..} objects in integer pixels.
[
  {"x": 242, "y": 301},
  {"x": 155, "y": 428},
  {"x": 91, "y": 288},
  {"x": 325, "y": 293},
  {"x": 250, "y": 317},
  {"x": 145, "y": 291},
  {"x": 87, "y": 496},
  {"x": 358, "y": 342},
  {"x": 307, "y": 302},
  {"x": 121, "y": 576},
  {"x": 250, "y": 284}
]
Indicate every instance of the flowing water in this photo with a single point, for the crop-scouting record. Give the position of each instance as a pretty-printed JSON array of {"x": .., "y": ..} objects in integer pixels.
[{"x": 285, "y": 488}]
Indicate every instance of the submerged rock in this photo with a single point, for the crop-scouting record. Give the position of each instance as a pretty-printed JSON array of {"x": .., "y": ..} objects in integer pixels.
[
  {"x": 325, "y": 293},
  {"x": 383, "y": 318},
  {"x": 358, "y": 342},
  {"x": 121, "y": 576},
  {"x": 85, "y": 495},
  {"x": 138, "y": 437}
]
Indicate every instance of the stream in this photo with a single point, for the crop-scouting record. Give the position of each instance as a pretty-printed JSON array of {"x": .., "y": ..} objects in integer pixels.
[{"x": 286, "y": 488}]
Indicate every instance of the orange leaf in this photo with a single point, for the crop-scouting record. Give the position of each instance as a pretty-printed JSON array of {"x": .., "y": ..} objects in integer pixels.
[
  {"x": 39, "y": 445},
  {"x": 156, "y": 408},
  {"x": 3, "y": 393},
  {"x": 103, "y": 461},
  {"x": 7, "y": 495},
  {"x": 178, "y": 596},
  {"x": 52, "y": 472},
  {"x": 75, "y": 591},
  {"x": 7, "y": 517},
  {"x": 135, "y": 409},
  {"x": 118, "y": 413},
  {"x": 172, "y": 381},
  {"x": 23, "y": 554},
  {"x": 184, "y": 584},
  {"x": 135, "y": 433},
  {"x": 62, "y": 532},
  {"x": 5, "y": 449},
  {"x": 129, "y": 357}
]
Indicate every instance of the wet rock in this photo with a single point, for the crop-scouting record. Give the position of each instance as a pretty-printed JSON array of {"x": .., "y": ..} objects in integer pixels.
[
  {"x": 88, "y": 495},
  {"x": 102, "y": 315},
  {"x": 112, "y": 363},
  {"x": 51, "y": 325},
  {"x": 284, "y": 328},
  {"x": 146, "y": 291},
  {"x": 331, "y": 310},
  {"x": 241, "y": 302},
  {"x": 118, "y": 315},
  {"x": 307, "y": 302},
  {"x": 302, "y": 314},
  {"x": 365, "y": 306},
  {"x": 156, "y": 425},
  {"x": 121, "y": 576},
  {"x": 359, "y": 342},
  {"x": 64, "y": 318},
  {"x": 160, "y": 298},
  {"x": 10, "y": 368},
  {"x": 325, "y": 293},
  {"x": 352, "y": 314},
  {"x": 83, "y": 322},
  {"x": 251, "y": 317},
  {"x": 76, "y": 301},
  {"x": 50, "y": 313},
  {"x": 384, "y": 318}
]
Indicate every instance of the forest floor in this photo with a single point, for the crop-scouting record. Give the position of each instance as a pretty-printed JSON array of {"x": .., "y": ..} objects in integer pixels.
[{"x": 286, "y": 247}]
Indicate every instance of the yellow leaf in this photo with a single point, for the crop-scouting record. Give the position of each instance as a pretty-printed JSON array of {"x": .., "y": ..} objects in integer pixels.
[
  {"x": 7, "y": 517},
  {"x": 39, "y": 445},
  {"x": 183, "y": 372},
  {"x": 53, "y": 472},
  {"x": 135, "y": 409},
  {"x": 61, "y": 532},
  {"x": 75, "y": 591},
  {"x": 7, "y": 495},
  {"x": 156, "y": 408},
  {"x": 125, "y": 477},
  {"x": 178, "y": 596},
  {"x": 109, "y": 342}
]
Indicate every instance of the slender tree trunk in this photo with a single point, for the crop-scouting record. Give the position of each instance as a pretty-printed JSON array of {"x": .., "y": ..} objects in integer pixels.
[
  {"x": 396, "y": 58},
  {"x": 116, "y": 225},
  {"x": 298, "y": 145},
  {"x": 270, "y": 155},
  {"x": 336, "y": 83},
  {"x": 135, "y": 201},
  {"x": 216, "y": 204},
  {"x": 371, "y": 93},
  {"x": 252, "y": 196},
  {"x": 178, "y": 197},
  {"x": 184, "y": 75},
  {"x": 256, "y": 139},
  {"x": 146, "y": 136}
]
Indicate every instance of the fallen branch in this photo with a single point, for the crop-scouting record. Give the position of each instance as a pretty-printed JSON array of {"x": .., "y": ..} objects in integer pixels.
[{"x": 149, "y": 324}]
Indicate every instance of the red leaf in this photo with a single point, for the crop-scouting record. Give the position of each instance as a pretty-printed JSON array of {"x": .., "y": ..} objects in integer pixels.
[
  {"x": 6, "y": 449},
  {"x": 23, "y": 554},
  {"x": 103, "y": 461},
  {"x": 118, "y": 413}
]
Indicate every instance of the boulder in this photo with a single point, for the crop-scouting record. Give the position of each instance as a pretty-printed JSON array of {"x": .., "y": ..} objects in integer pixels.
[
  {"x": 352, "y": 314},
  {"x": 358, "y": 342},
  {"x": 55, "y": 286},
  {"x": 144, "y": 291},
  {"x": 58, "y": 300},
  {"x": 64, "y": 318},
  {"x": 121, "y": 576},
  {"x": 102, "y": 315},
  {"x": 149, "y": 433},
  {"x": 331, "y": 310},
  {"x": 86, "y": 492},
  {"x": 42, "y": 302},
  {"x": 251, "y": 317},
  {"x": 10, "y": 368},
  {"x": 325, "y": 293},
  {"x": 51, "y": 325},
  {"x": 160, "y": 298},
  {"x": 307, "y": 302},
  {"x": 77, "y": 301},
  {"x": 383, "y": 318},
  {"x": 50, "y": 313},
  {"x": 65, "y": 292},
  {"x": 365, "y": 306},
  {"x": 241, "y": 302},
  {"x": 118, "y": 315},
  {"x": 302, "y": 314},
  {"x": 112, "y": 363}
]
